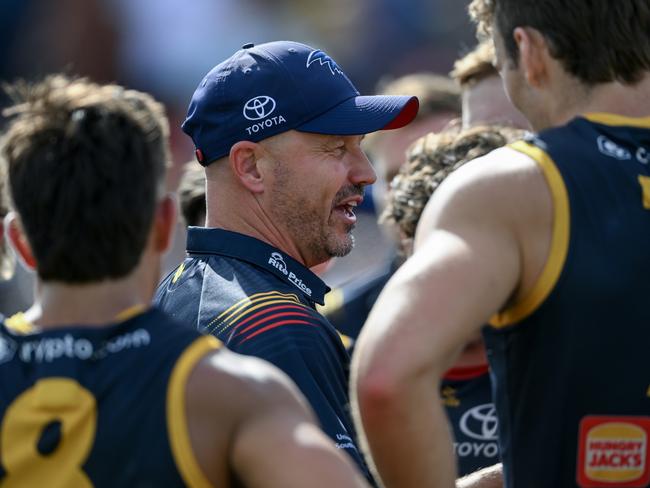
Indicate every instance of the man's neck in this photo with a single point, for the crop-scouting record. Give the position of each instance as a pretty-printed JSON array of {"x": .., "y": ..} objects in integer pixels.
[
  {"x": 615, "y": 98},
  {"x": 244, "y": 214},
  {"x": 60, "y": 304}
]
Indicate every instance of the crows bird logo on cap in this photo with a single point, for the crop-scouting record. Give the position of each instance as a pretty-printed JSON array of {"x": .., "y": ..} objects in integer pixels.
[{"x": 323, "y": 59}]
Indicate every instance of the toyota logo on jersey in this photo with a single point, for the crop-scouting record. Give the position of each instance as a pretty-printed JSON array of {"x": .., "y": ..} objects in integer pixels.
[
  {"x": 259, "y": 107},
  {"x": 480, "y": 423}
]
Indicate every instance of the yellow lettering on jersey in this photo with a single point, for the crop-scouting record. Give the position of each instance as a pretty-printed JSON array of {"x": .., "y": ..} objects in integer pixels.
[
  {"x": 49, "y": 400},
  {"x": 644, "y": 181},
  {"x": 448, "y": 397}
]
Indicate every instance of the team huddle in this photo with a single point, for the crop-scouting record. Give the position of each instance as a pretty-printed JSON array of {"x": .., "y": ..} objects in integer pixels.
[{"x": 503, "y": 345}]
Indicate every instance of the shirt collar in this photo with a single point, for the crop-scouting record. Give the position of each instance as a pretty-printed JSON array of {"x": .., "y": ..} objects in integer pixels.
[{"x": 201, "y": 240}]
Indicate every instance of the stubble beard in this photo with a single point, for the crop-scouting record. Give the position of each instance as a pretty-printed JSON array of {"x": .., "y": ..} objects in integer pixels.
[{"x": 306, "y": 227}]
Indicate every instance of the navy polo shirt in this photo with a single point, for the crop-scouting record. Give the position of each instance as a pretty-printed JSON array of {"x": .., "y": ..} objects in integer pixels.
[{"x": 260, "y": 301}]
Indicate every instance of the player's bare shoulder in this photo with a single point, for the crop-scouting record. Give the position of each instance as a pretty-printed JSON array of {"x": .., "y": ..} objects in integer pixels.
[
  {"x": 244, "y": 381},
  {"x": 225, "y": 392},
  {"x": 249, "y": 423},
  {"x": 505, "y": 187},
  {"x": 506, "y": 199}
]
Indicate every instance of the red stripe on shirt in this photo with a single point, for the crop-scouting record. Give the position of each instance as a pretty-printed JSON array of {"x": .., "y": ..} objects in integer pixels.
[
  {"x": 270, "y": 317},
  {"x": 267, "y": 310},
  {"x": 277, "y": 324}
]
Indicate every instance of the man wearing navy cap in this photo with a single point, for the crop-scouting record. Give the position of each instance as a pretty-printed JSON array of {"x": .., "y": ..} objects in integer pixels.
[{"x": 278, "y": 128}]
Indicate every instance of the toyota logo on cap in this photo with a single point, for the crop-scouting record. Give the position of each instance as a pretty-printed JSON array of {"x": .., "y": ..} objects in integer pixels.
[{"x": 259, "y": 107}]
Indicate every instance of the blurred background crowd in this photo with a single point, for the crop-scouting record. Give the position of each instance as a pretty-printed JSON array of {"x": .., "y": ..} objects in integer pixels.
[{"x": 164, "y": 47}]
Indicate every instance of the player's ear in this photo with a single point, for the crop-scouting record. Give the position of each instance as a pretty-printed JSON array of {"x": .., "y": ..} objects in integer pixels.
[
  {"x": 244, "y": 159},
  {"x": 164, "y": 222},
  {"x": 533, "y": 55},
  {"x": 18, "y": 240}
]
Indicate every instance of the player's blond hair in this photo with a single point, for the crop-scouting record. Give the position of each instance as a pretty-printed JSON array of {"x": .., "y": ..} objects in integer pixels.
[{"x": 475, "y": 65}]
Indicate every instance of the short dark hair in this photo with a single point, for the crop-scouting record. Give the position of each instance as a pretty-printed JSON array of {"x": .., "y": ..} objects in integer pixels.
[
  {"x": 86, "y": 165},
  {"x": 429, "y": 161},
  {"x": 191, "y": 193},
  {"x": 597, "y": 41},
  {"x": 475, "y": 65}
]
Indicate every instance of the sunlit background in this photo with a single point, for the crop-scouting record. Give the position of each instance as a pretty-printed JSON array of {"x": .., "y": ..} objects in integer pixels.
[{"x": 166, "y": 46}]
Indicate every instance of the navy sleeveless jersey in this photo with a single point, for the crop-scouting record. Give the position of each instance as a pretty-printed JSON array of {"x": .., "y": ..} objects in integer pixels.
[
  {"x": 570, "y": 361},
  {"x": 467, "y": 396},
  {"x": 261, "y": 302},
  {"x": 97, "y": 407}
]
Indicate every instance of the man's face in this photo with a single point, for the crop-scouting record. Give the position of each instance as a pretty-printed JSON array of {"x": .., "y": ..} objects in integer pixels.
[{"x": 317, "y": 181}]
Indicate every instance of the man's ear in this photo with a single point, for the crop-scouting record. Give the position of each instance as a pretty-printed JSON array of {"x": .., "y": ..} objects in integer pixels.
[
  {"x": 533, "y": 55},
  {"x": 18, "y": 240},
  {"x": 164, "y": 223},
  {"x": 244, "y": 160}
]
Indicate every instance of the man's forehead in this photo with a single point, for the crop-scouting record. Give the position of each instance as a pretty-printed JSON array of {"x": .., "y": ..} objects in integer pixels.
[{"x": 330, "y": 138}]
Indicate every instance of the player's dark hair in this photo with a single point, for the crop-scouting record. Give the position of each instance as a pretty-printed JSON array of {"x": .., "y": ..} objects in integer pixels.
[
  {"x": 597, "y": 41},
  {"x": 86, "y": 166}
]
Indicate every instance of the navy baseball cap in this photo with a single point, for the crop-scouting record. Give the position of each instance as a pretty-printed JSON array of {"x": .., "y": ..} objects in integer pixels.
[{"x": 263, "y": 90}]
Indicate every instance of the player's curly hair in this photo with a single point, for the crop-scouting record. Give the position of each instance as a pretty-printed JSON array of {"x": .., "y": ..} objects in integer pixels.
[
  {"x": 86, "y": 165},
  {"x": 429, "y": 161}
]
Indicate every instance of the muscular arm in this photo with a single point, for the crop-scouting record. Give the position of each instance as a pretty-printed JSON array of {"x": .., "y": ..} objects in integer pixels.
[
  {"x": 466, "y": 266},
  {"x": 247, "y": 419}
]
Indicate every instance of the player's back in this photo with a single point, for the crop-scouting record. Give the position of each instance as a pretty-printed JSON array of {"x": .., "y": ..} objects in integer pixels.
[
  {"x": 570, "y": 359},
  {"x": 97, "y": 406}
]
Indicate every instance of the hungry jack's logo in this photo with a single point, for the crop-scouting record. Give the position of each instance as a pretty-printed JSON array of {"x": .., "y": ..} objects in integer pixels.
[{"x": 613, "y": 452}]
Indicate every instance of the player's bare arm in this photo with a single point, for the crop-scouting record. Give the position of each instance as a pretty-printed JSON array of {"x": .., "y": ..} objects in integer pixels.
[
  {"x": 491, "y": 477},
  {"x": 261, "y": 429},
  {"x": 473, "y": 255}
]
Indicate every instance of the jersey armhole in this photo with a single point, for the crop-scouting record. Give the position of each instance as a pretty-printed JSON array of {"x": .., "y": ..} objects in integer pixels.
[
  {"x": 559, "y": 241},
  {"x": 179, "y": 438}
]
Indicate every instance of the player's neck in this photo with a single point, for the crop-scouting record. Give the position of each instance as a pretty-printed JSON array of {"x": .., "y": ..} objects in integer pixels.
[
  {"x": 61, "y": 304},
  {"x": 615, "y": 98}
]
